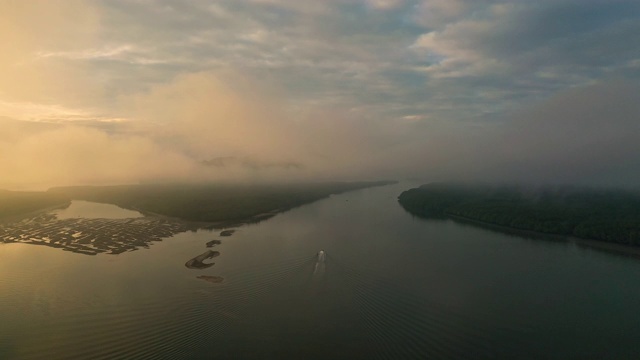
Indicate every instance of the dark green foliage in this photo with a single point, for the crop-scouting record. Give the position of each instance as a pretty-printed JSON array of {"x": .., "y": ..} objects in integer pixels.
[
  {"x": 16, "y": 203},
  {"x": 606, "y": 215},
  {"x": 211, "y": 202}
]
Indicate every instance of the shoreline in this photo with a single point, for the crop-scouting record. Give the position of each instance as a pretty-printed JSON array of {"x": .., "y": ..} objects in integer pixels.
[
  {"x": 256, "y": 217},
  {"x": 614, "y": 248},
  {"x": 114, "y": 236},
  {"x": 213, "y": 225}
]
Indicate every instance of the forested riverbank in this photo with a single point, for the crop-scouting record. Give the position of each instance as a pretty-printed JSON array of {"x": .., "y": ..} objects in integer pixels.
[
  {"x": 212, "y": 202},
  {"x": 609, "y": 215}
]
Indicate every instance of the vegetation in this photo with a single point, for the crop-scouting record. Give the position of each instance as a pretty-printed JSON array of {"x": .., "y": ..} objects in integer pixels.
[
  {"x": 211, "y": 202},
  {"x": 598, "y": 214},
  {"x": 17, "y": 203}
]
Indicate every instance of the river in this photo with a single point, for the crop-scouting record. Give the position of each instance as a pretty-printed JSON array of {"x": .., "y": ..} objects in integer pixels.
[{"x": 391, "y": 286}]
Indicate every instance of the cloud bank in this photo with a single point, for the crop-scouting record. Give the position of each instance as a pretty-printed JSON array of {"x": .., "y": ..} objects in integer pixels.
[{"x": 345, "y": 89}]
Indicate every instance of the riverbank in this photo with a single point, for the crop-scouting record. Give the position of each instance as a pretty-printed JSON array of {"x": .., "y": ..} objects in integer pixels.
[
  {"x": 207, "y": 207},
  {"x": 218, "y": 205},
  {"x": 624, "y": 250},
  {"x": 607, "y": 219}
]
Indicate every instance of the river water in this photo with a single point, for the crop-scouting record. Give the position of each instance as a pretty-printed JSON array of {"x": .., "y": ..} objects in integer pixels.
[{"x": 391, "y": 286}]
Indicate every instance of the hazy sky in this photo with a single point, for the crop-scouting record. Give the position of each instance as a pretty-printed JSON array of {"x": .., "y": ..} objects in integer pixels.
[{"x": 100, "y": 92}]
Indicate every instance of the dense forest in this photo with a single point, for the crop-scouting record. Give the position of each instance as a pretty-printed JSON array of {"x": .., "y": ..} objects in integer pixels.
[
  {"x": 599, "y": 214},
  {"x": 211, "y": 202},
  {"x": 17, "y": 203}
]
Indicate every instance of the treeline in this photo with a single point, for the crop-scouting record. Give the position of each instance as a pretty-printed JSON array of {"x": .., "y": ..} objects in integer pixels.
[
  {"x": 598, "y": 214},
  {"x": 210, "y": 202},
  {"x": 17, "y": 203}
]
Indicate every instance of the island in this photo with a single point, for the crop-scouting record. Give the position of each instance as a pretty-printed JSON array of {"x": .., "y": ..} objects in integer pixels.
[
  {"x": 227, "y": 232},
  {"x": 213, "y": 243},
  {"x": 597, "y": 214},
  {"x": 198, "y": 261}
]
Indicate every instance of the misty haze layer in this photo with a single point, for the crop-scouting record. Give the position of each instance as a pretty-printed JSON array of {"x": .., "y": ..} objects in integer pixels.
[{"x": 257, "y": 90}]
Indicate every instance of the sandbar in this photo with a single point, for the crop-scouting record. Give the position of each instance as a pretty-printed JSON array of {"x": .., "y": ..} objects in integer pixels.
[{"x": 197, "y": 262}]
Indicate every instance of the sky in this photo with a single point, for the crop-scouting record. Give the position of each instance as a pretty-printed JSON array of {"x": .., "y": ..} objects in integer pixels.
[{"x": 114, "y": 91}]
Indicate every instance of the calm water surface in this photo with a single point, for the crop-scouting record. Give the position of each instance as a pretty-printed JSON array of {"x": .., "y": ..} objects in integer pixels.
[{"x": 392, "y": 286}]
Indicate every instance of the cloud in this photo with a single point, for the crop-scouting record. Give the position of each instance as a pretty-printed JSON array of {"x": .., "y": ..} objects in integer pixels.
[
  {"x": 526, "y": 38},
  {"x": 41, "y": 26},
  {"x": 385, "y": 4},
  {"x": 586, "y": 135},
  {"x": 232, "y": 161},
  {"x": 79, "y": 155},
  {"x": 181, "y": 128},
  {"x": 226, "y": 114},
  {"x": 435, "y": 13},
  {"x": 345, "y": 88},
  {"x": 207, "y": 126}
]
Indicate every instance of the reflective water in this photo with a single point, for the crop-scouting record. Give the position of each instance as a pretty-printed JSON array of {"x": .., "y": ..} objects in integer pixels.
[
  {"x": 390, "y": 286},
  {"x": 92, "y": 210}
]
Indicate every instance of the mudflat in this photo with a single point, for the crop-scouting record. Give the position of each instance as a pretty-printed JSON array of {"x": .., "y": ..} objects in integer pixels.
[{"x": 90, "y": 236}]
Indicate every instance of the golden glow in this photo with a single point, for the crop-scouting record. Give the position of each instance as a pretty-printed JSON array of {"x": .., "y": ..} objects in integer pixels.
[{"x": 30, "y": 27}]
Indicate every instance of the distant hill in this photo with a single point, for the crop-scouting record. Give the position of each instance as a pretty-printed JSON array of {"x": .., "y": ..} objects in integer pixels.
[
  {"x": 211, "y": 202},
  {"x": 600, "y": 214}
]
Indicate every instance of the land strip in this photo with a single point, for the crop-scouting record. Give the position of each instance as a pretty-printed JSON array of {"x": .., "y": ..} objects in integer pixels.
[{"x": 588, "y": 216}]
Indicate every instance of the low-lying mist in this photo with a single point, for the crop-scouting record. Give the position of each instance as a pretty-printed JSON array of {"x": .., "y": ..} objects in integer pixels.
[{"x": 226, "y": 127}]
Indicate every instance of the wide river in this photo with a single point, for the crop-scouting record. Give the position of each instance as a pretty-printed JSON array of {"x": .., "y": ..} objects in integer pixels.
[{"x": 391, "y": 287}]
